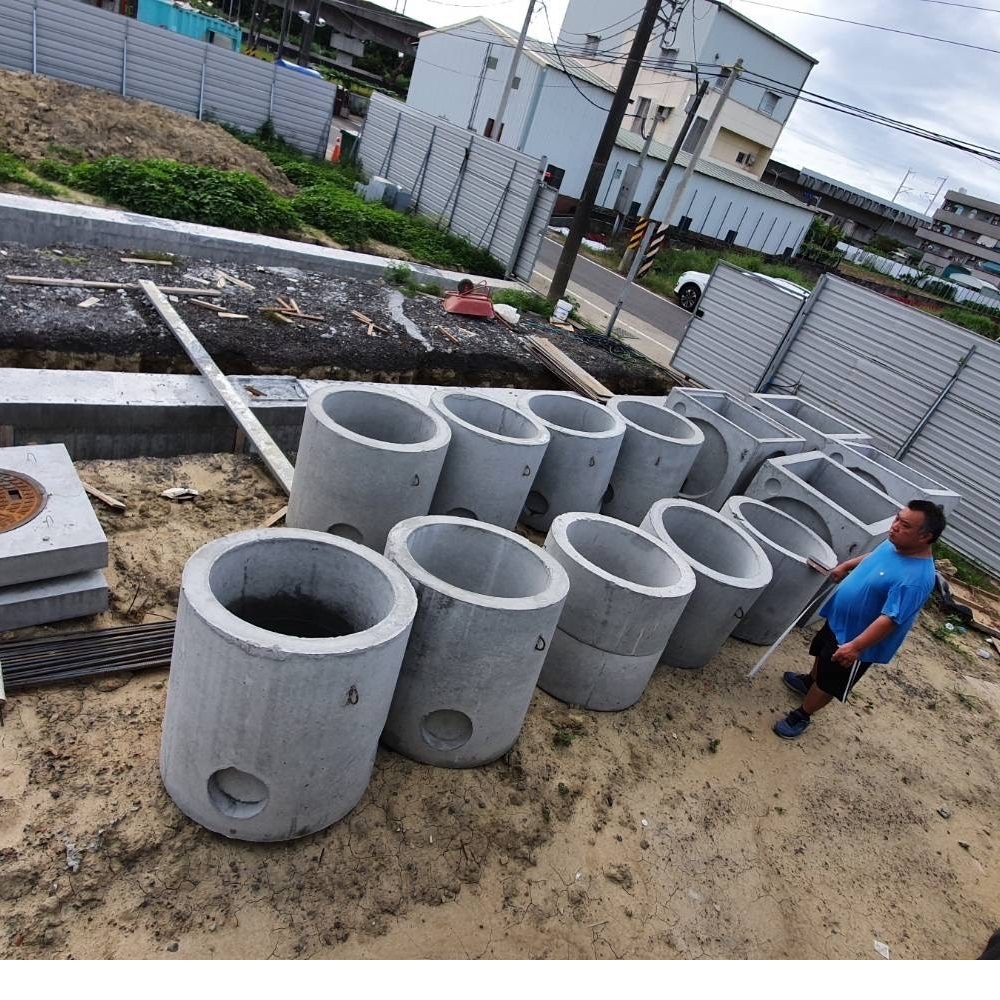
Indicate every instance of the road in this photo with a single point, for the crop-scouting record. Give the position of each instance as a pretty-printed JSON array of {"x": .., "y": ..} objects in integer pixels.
[{"x": 652, "y": 324}]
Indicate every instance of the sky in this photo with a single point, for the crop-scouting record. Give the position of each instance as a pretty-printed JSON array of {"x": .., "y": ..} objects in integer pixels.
[{"x": 948, "y": 89}]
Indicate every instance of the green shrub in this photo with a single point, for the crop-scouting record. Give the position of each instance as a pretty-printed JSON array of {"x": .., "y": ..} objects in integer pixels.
[
  {"x": 524, "y": 302},
  {"x": 13, "y": 171},
  {"x": 976, "y": 322},
  {"x": 228, "y": 198},
  {"x": 54, "y": 170},
  {"x": 339, "y": 213}
]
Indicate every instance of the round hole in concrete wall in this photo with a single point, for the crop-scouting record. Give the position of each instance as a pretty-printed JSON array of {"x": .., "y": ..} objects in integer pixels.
[
  {"x": 710, "y": 465},
  {"x": 236, "y": 793},
  {"x": 462, "y": 512},
  {"x": 680, "y": 408},
  {"x": 772, "y": 485},
  {"x": 446, "y": 729},
  {"x": 536, "y": 503},
  {"x": 804, "y": 514},
  {"x": 869, "y": 478},
  {"x": 347, "y": 531},
  {"x": 837, "y": 456}
]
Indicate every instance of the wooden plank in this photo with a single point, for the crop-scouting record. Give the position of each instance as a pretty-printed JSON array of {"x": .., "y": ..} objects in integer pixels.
[
  {"x": 228, "y": 315},
  {"x": 567, "y": 369},
  {"x": 146, "y": 260},
  {"x": 275, "y": 517},
  {"x": 452, "y": 338},
  {"x": 238, "y": 282},
  {"x": 273, "y": 457},
  {"x": 30, "y": 279},
  {"x": 208, "y": 305},
  {"x": 113, "y": 502}
]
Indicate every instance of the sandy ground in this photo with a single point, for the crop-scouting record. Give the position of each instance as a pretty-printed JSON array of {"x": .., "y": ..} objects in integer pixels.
[{"x": 681, "y": 828}]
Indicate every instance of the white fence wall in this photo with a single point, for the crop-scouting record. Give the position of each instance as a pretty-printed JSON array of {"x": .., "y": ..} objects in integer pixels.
[
  {"x": 72, "y": 41},
  {"x": 487, "y": 192},
  {"x": 917, "y": 384}
]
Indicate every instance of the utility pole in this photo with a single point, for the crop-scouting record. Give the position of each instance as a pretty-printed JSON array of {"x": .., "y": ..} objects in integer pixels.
[
  {"x": 647, "y": 211},
  {"x": 588, "y": 196},
  {"x": 509, "y": 85},
  {"x": 906, "y": 177},
  {"x": 307, "y": 33},
  {"x": 944, "y": 180},
  {"x": 286, "y": 15},
  {"x": 678, "y": 191}
]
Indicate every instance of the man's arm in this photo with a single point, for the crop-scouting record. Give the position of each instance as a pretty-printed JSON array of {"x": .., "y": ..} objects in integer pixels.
[
  {"x": 879, "y": 629},
  {"x": 842, "y": 569}
]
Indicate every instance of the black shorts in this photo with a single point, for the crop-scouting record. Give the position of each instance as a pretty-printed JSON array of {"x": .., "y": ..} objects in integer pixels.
[{"x": 831, "y": 677}]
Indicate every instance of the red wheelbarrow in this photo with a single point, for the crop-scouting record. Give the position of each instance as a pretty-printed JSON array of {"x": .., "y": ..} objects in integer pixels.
[{"x": 470, "y": 300}]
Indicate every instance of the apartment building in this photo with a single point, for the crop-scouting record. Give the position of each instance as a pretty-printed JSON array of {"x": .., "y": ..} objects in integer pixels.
[
  {"x": 964, "y": 231},
  {"x": 696, "y": 38}
]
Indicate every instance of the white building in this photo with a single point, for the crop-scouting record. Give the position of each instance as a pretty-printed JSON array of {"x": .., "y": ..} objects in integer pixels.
[{"x": 709, "y": 36}]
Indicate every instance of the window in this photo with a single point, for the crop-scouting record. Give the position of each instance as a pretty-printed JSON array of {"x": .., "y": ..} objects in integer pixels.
[
  {"x": 694, "y": 134},
  {"x": 492, "y": 62},
  {"x": 516, "y": 83},
  {"x": 641, "y": 114},
  {"x": 768, "y": 103},
  {"x": 591, "y": 45},
  {"x": 746, "y": 159}
]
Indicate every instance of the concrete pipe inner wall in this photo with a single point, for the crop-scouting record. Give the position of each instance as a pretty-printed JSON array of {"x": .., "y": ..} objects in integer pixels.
[
  {"x": 627, "y": 591},
  {"x": 286, "y": 652},
  {"x": 731, "y": 568},
  {"x": 489, "y": 602},
  {"x": 367, "y": 459},
  {"x": 585, "y": 439},
  {"x": 788, "y": 544},
  {"x": 492, "y": 461},
  {"x": 657, "y": 453}
]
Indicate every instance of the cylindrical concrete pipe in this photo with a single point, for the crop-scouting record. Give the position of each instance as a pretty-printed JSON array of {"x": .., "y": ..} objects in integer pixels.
[
  {"x": 286, "y": 652},
  {"x": 492, "y": 461},
  {"x": 488, "y": 604},
  {"x": 732, "y": 571},
  {"x": 657, "y": 453},
  {"x": 626, "y": 592},
  {"x": 788, "y": 544},
  {"x": 368, "y": 458},
  {"x": 574, "y": 474}
]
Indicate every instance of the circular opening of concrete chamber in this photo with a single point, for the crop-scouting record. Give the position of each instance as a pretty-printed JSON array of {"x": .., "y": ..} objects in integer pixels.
[
  {"x": 571, "y": 414},
  {"x": 446, "y": 729},
  {"x": 805, "y": 514},
  {"x": 473, "y": 558},
  {"x": 628, "y": 554},
  {"x": 487, "y": 415},
  {"x": 236, "y": 793},
  {"x": 780, "y": 530},
  {"x": 380, "y": 417},
  {"x": 296, "y": 587},
  {"x": 711, "y": 541},
  {"x": 657, "y": 420},
  {"x": 710, "y": 465}
]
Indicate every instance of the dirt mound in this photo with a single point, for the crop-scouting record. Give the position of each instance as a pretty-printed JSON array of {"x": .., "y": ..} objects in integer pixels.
[{"x": 41, "y": 117}]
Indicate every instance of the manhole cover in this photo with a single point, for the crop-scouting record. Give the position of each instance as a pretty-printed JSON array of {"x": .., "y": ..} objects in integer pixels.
[{"x": 21, "y": 499}]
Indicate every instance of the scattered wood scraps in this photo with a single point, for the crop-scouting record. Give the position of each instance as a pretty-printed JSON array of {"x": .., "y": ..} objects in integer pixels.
[
  {"x": 88, "y": 303},
  {"x": 288, "y": 311},
  {"x": 561, "y": 365},
  {"x": 277, "y": 516},
  {"x": 113, "y": 502},
  {"x": 146, "y": 260},
  {"x": 369, "y": 322},
  {"x": 231, "y": 279},
  {"x": 30, "y": 279},
  {"x": 449, "y": 336}
]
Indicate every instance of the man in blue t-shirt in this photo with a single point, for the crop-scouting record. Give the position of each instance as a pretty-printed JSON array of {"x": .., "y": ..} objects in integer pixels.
[{"x": 869, "y": 614}]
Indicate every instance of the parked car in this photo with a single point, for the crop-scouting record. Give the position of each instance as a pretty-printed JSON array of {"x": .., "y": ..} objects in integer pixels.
[{"x": 691, "y": 286}]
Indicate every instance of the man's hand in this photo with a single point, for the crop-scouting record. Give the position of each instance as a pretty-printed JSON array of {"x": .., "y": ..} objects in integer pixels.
[
  {"x": 846, "y": 655},
  {"x": 841, "y": 570}
]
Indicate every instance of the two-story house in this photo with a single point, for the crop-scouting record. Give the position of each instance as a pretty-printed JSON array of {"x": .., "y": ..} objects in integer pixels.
[{"x": 965, "y": 231}]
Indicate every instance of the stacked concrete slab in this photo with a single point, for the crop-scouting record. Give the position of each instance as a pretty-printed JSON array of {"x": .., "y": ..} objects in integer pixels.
[
  {"x": 737, "y": 439},
  {"x": 846, "y": 511},
  {"x": 50, "y": 565},
  {"x": 890, "y": 476},
  {"x": 812, "y": 423}
]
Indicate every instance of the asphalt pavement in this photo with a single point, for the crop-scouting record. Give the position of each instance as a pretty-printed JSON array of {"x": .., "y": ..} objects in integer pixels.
[{"x": 652, "y": 324}]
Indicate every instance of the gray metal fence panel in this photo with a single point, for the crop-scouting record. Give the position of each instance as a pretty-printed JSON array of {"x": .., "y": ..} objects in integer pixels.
[
  {"x": 16, "y": 34},
  {"x": 534, "y": 232},
  {"x": 742, "y": 320},
  {"x": 479, "y": 189},
  {"x": 98, "y": 48}
]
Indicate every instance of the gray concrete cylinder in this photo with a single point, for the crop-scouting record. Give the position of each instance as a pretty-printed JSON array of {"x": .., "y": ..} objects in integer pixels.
[
  {"x": 574, "y": 474},
  {"x": 368, "y": 458},
  {"x": 731, "y": 569},
  {"x": 626, "y": 592},
  {"x": 788, "y": 544},
  {"x": 488, "y": 604},
  {"x": 492, "y": 461},
  {"x": 286, "y": 652},
  {"x": 657, "y": 453}
]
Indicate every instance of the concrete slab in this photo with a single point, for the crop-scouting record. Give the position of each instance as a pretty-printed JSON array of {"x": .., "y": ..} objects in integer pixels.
[
  {"x": 846, "y": 511},
  {"x": 65, "y": 537},
  {"x": 737, "y": 439},
  {"x": 812, "y": 423},
  {"x": 55, "y": 600},
  {"x": 889, "y": 475}
]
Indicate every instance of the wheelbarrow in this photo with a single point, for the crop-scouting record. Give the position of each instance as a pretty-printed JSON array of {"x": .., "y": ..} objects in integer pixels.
[{"x": 470, "y": 300}]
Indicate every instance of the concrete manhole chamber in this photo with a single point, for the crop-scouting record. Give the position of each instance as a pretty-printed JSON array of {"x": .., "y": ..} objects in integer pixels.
[
  {"x": 731, "y": 569},
  {"x": 286, "y": 652},
  {"x": 368, "y": 458},
  {"x": 788, "y": 544},
  {"x": 489, "y": 602},
  {"x": 574, "y": 474},
  {"x": 626, "y": 592},
  {"x": 492, "y": 460},
  {"x": 657, "y": 452}
]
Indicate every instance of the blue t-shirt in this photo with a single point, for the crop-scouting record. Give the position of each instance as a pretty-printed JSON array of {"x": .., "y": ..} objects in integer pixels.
[{"x": 883, "y": 583}]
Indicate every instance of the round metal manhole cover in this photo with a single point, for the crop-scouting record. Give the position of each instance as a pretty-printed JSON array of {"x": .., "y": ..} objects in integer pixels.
[{"x": 21, "y": 499}]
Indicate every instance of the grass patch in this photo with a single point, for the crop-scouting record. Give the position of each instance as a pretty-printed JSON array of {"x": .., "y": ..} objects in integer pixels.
[
  {"x": 403, "y": 278},
  {"x": 976, "y": 322},
  {"x": 15, "y": 171},
  {"x": 524, "y": 302},
  {"x": 966, "y": 571},
  {"x": 563, "y": 738}
]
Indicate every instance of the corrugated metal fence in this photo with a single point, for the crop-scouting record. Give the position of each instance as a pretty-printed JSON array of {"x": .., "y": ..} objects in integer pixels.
[
  {"x": 490, "y": 194},
  {"x": 69, "y": 40},
  {"x": 925, "y": 390}
]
